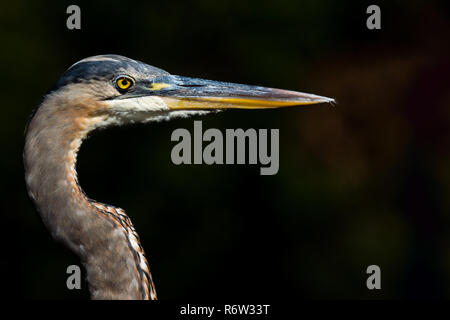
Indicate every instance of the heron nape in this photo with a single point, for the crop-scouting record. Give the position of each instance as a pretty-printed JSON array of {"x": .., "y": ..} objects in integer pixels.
[{"x": 103, "y": 91}]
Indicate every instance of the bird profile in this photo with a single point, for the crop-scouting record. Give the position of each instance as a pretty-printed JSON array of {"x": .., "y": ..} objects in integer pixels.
[{"x": 103, "y": 91}]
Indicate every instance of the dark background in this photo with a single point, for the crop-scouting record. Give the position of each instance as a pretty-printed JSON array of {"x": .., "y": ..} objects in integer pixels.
[{"x": 365, "y": 182}]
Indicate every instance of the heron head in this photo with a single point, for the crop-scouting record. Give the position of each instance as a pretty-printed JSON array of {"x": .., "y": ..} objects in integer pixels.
[{"x": 126, "y": 90}]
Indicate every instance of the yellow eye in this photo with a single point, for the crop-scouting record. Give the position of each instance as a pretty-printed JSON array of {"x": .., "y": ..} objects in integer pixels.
[{"x": 124, "y": 83}]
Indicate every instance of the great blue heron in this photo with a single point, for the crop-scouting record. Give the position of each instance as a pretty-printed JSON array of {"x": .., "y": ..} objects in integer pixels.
[{"x": 102, "y": 91}]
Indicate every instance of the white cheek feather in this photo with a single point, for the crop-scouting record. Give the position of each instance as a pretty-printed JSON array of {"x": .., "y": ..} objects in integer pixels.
[
  {"x": 140, "y": 104},
  {"x": 166, "y": 116},
  {"x": 146, "y": 109}
]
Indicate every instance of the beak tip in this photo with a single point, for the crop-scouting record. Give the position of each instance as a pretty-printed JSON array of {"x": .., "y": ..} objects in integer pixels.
[{"x": 331, "y": 101}]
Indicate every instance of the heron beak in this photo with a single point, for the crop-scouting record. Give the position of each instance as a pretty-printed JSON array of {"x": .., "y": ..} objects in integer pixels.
[{"x": 183, "y": 93}]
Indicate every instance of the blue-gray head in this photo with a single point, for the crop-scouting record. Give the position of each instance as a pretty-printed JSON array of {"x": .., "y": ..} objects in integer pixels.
[{"x": 126, "y": 90}]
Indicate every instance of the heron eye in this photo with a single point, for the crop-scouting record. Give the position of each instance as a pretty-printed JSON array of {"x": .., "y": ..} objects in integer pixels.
[{"x": 124, "y": 83}]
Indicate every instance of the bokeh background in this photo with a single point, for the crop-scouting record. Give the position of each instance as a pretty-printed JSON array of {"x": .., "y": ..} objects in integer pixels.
[{"x": 365, "y": 182}]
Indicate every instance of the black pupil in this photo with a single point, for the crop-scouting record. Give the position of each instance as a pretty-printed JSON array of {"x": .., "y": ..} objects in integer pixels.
[{"x": 125, "y": 82}]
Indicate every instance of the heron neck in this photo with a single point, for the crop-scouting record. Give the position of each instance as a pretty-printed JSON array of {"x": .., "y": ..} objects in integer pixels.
[{"x": 51, "y": 145}]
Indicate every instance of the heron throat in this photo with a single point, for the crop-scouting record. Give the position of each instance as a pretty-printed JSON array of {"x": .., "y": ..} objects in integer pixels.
[{"x": 102, "y": 236}]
